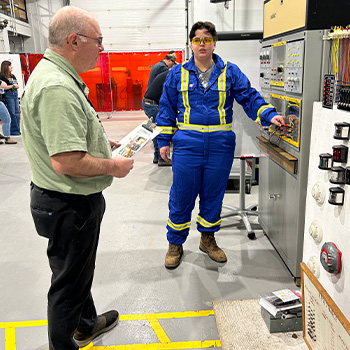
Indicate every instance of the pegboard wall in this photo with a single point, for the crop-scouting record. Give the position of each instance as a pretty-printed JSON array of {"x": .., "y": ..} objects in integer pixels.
[{"x": 324, "y": 221}]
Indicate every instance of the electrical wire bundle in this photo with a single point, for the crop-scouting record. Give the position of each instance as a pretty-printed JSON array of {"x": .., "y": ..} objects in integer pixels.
[{"x": 339, "y": 58}]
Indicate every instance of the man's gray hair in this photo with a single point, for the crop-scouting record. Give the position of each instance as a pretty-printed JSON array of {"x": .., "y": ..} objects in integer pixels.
[{"x": 67, "y": 20}]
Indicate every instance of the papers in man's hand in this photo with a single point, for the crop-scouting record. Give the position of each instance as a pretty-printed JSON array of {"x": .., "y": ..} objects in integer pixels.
[
  {"x": 282, "y": 301},
  {"x": 136, "y": 139}
]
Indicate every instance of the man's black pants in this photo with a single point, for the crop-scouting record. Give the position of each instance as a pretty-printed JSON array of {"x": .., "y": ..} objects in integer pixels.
[{"x": 72, "y": 225}]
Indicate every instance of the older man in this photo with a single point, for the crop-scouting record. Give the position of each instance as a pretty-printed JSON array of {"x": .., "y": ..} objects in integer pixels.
[{"x": 71, "y": 162}]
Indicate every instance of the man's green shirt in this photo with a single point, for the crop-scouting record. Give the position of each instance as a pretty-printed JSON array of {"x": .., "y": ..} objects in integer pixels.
[{"x": 56, "y": 117}]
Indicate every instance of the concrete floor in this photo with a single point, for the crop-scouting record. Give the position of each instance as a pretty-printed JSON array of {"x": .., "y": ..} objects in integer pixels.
[{"x": 159, "y": 308}]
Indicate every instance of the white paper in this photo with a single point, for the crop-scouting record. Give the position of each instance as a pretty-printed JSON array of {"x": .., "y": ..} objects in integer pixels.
[
  {"x": 136, "y": 140},
  {"x": 287, "y": 295}
]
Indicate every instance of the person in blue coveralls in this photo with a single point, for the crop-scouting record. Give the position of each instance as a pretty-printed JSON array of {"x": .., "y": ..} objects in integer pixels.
[{"x": 197, "y": 100}]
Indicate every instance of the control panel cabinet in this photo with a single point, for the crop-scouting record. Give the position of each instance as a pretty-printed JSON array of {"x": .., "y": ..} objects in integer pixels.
[
  {"x": 291, "y": 68},
  {"x": 277, "y": 205}
]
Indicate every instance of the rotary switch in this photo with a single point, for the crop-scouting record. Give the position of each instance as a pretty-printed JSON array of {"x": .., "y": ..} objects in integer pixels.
[
  {"x": 314, "y": 266},
  {"x": 316, "y": 231},
  {"x": 318, "y": 192}
]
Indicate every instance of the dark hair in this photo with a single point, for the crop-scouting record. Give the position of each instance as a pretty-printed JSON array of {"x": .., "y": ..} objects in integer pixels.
[
  {"x": 5, "y": 71},
  {"x": 210, "y": 27},
  {"x": 170, "y": 57}
]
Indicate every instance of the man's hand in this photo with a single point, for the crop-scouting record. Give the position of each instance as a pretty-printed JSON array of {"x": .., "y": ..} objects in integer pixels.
[
  {"x": 114, "y": 144},
  {"x": 165, "y": 153},
  {"x": 278, "y": 120},
  {"x": 122, "y": 166}
]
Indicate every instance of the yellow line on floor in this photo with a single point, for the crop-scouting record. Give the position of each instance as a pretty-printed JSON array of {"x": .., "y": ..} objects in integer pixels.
[
  {"x": 131, "y": 317},
  {"x": 207, "y": 344},
  {"x": 21, "y": 324},
  {"x": 163, "y": 346},
  {"x": 158, "y": 330},
  {"x": 165, "y": 343},
  {"x": 185, "y": 314},
  {"x": 10, "y": 339}
]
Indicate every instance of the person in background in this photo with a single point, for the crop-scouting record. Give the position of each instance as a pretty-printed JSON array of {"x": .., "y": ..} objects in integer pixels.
[
  {"x": 70, "y": 156},
  {"x": 11, "y": 96},
  {"x": 6, "y": 121},
  {"x": 197, "y": 99},
  {"x": 150, "y": 106},
  {"x": 173, "y": 53}
]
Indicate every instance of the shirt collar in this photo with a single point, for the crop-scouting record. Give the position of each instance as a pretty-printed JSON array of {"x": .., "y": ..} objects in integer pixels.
[{"x": 61, "y": 62}]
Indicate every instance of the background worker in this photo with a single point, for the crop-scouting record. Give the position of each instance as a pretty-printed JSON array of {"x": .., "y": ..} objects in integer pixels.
[
  {"x": 198, "y": 98},
  {"x": 6, "y": 121},
  {"x": 150, "y": 106},
  {"x": 71, "y": 163},
  {"x": 11, "y": 96}
]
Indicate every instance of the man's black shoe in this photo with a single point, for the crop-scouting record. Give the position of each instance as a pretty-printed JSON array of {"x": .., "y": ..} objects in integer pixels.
[{"x": 105, "y": 322}]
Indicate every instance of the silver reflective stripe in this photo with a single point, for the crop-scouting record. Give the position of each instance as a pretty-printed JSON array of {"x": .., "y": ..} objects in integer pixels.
[
  {"x": 179, "y": 227},
  {"x": 205, "y": 223}
]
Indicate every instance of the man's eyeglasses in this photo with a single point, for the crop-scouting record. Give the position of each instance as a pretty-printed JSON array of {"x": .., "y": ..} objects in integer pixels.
[
  {"x": 98, "y": 40},
  {"x": 207, "y": 41}
]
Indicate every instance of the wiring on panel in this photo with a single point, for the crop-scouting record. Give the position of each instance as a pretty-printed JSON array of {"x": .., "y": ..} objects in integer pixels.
[
  {"x": 339, "y": 65},
  {"x": 272, "y": 135}
]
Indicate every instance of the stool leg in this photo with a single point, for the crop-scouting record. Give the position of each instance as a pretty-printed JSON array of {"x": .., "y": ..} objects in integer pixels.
[
  {"x": 242, "y": 185},
  {"x": 251, "y": 233}
]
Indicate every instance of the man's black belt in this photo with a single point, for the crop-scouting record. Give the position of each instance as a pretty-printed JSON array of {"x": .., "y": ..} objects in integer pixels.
[{"x": 152, "y": 102}]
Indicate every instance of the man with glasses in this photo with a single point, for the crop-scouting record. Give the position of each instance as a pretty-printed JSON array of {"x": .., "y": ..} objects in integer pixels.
[
  {"x": 197, "y": 100},
  {"x": 70, "y": 157}
]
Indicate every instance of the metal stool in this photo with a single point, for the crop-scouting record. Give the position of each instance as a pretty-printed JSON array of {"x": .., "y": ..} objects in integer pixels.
[{"x": 243, "y": 211}]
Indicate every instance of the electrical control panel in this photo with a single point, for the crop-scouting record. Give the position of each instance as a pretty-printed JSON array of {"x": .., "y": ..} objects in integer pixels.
[
  {"x": 328, "y": 91},
  {"x": 283, "y": 67},
  {"x": 265, "y": 68},
  {"x": 278, "y": 54},
  {"x": 290, "y": 80},
  {"x": 290, "y": 108},
  {"x": 294, "y": 67},
  {"x": 281, "y": 78}
]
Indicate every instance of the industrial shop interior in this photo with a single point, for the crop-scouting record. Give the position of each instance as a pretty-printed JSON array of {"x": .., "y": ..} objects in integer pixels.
[{"x": 262, "y": 268}]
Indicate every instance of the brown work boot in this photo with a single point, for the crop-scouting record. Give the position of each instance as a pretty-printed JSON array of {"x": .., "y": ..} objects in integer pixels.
[
  {"x": 208, "y": 245},
  {"x": 10, "y": 141},
  {"x": 173, "y": 256}
]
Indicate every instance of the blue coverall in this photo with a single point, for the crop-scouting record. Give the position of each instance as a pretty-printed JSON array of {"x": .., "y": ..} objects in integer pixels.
[{"x": 204, "y": 143}]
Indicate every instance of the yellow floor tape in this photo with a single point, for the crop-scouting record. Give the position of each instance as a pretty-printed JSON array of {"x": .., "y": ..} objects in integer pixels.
[{"x": 153, "y": 319}]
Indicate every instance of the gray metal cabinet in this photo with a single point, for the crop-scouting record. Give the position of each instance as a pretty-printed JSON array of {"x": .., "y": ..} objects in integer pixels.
[{"x": 277, "y": 212}]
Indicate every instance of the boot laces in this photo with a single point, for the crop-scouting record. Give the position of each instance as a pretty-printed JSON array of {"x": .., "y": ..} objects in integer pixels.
[
  {"x": 212, "y": 241},
  {"x": 174, "y": 248}
]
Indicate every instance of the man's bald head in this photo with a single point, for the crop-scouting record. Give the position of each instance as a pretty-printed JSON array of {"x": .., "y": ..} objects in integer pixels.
[{"x": 67, "y": 20}]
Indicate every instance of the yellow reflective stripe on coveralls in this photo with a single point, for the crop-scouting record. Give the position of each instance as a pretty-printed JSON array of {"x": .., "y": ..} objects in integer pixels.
[
  {"x": 205, "y": 223},
  {"x": 185, "y": 79},
  {"x": 205, "y": 128},
  {"x": 167, "y": 130},
  {"x": 179, "y": 227},
  {"x": 222, "y": 95},
  {"x": 261, "y": 110}
]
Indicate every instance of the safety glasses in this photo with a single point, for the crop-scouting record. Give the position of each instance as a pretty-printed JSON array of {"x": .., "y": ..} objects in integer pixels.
[
  {"x": 98, "y": 40},
  {"x": 197, "y": 41}
]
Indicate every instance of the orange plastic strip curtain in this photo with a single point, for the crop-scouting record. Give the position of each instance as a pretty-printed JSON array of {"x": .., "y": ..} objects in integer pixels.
[{"x": 119, "y": 80}]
